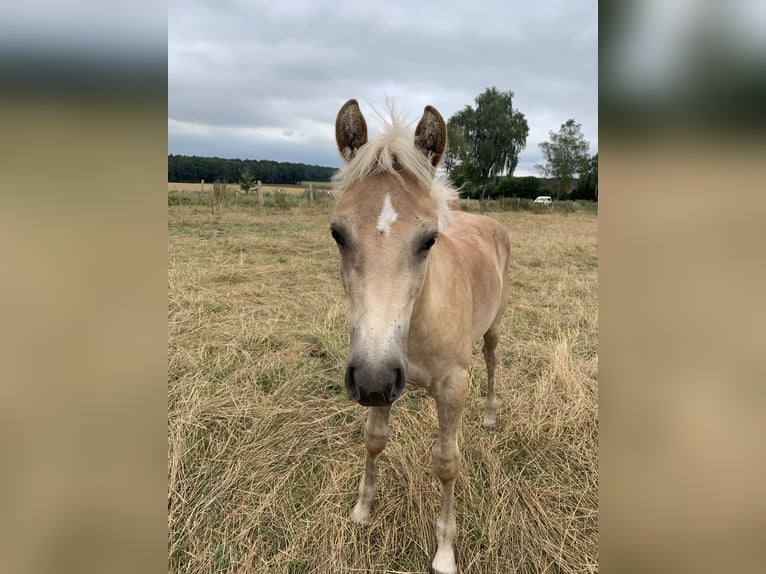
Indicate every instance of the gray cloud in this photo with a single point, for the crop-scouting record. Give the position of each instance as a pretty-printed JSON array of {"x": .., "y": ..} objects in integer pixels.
[{"x": 264, "y": 80}]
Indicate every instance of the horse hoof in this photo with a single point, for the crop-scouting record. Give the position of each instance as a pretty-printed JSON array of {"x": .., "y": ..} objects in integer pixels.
[
  {"x": 446, "y": 564},
  {"x": 360, "y": 516}
]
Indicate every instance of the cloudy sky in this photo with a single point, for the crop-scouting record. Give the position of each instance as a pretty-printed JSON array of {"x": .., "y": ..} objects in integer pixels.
[{"x": 265, "y": 80}]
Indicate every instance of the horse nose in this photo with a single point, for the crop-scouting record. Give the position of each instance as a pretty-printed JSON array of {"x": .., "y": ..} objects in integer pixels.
[{"x": 375, "y": 387}]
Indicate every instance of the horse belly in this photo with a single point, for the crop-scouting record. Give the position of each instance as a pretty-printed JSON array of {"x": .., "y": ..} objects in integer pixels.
[
  {"x": 489, "y": 291},
  {"x": 486, "y": 306}
]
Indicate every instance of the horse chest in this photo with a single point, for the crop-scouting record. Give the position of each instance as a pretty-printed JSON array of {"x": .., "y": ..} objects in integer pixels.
[{"x": 418, "y": 374}]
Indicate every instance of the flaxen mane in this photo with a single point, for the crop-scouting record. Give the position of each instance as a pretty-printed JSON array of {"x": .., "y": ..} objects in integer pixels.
[{"x": 393, "y": 151}]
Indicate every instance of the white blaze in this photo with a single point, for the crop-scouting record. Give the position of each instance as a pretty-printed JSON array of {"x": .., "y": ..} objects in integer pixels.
[{"x": 387, "y": 216}]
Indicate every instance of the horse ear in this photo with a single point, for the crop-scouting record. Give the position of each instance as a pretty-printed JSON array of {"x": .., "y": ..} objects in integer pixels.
[
  {"x": 350, "y": 129},
  {"x": 431, "y": 135}
]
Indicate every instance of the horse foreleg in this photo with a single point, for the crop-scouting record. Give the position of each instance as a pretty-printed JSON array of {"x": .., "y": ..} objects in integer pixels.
[
  {"x": 450, "y": 399},
  {"x": 375, "y": 437}
]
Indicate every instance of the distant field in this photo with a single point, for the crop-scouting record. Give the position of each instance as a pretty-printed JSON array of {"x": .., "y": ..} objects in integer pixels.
[
  {"x": 267, "y": 188},
  {"x": 265, "y": 451}
]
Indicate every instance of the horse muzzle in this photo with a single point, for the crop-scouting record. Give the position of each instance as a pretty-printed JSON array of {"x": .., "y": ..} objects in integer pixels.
[{"x": 375, "y": 386}]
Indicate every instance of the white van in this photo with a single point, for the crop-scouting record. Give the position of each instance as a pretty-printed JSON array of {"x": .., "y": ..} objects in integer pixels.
[{"x": 545, "y": 199}]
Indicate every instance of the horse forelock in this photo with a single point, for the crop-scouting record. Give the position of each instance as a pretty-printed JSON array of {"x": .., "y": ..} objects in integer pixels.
[{"x": 393, "y": 152}]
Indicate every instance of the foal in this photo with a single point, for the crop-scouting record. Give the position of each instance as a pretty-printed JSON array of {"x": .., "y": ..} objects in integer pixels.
[{"x": 423, "y": 282}]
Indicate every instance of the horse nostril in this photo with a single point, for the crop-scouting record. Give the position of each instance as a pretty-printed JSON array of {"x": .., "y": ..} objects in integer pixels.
[
  {"x": 398, "y": 386},
  {"x": 351, "y": 387}
]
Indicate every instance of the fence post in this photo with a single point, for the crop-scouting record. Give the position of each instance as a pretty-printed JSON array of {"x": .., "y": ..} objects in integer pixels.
[
  {"x": 311, "y": 192},
  {"x": 202, "y": 186},
  {"x": 260, "y": 194}
]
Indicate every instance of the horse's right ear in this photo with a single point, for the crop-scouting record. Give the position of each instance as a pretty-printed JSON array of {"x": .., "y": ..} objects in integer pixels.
[{"x": 350, "y": 129}]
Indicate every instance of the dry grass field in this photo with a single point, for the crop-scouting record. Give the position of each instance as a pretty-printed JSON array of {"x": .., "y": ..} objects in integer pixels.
[
  {"x": 265, "y": 451},
  {"x": 234, "y": 187}
]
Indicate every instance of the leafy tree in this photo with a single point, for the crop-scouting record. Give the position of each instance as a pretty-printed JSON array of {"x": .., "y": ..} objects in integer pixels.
[
  {"x": 460, "y": 149},
  {"x": 246, "y": 180},
  {"x": 527, "y": 187},
  {"x": 587, "y": 185},
  {"x": 566, "y": 157},
  {"x": 485, "y": 142}
]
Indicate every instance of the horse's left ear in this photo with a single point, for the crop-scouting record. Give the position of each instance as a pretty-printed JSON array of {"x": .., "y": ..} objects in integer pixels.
[{"x": 431, "y": 135}]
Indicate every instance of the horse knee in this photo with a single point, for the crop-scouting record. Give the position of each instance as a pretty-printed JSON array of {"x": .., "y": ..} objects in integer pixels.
[
  {"x": 375, "y": 439},
  {"x": 447, "y": 468},
  {"x": 446, "y": 464}
]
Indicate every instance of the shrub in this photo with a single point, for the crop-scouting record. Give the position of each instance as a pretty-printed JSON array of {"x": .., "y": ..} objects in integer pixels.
[
  {"x": 221, "y": 193},
  {"x": 280, "y": 199},
  {"x": 565, "y": 207}
]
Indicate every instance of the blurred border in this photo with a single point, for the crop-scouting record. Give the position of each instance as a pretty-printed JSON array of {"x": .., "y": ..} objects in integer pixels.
[
  {"x": 83, "y": 305},
  {"x": 682, "y": 270},
  {"x": 83, "y": 291}
]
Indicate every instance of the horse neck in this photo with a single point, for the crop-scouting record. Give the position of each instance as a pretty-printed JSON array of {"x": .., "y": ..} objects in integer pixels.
[{"x": 432, "y": 291}]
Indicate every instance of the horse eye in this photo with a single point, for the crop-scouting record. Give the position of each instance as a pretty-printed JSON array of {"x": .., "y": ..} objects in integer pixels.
[
  {"x": 429, "y": 243},
  {"x": 338, "y": 238}
]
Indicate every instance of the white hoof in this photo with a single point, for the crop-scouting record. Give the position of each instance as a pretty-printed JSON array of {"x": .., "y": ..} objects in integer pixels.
[
  {"x": 360, "y": 515},
  {"x": 444, "y": 563},
  {"x": 489, "y": 422}
]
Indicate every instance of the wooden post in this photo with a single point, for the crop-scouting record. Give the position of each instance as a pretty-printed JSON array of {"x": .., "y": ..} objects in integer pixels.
[
  {"x": 202, "y": 187},
  {"x": 260, "y": 194},
  {"x": 311, "y": 192}
]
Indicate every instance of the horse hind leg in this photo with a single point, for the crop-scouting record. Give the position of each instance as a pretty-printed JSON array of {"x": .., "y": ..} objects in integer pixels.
[{"x": 491, "y": 339}]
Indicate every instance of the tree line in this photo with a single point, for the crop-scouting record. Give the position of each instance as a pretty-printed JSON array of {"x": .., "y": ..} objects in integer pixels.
[
  {"x": 191, "y": 169},
  {"x": 530, "y": 187},
  {"x": 483, "y": 147}
]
